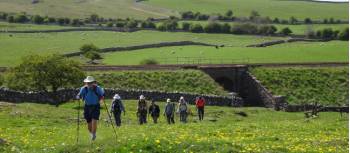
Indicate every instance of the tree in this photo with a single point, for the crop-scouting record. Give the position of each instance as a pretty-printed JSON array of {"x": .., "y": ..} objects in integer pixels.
[
  {"x": 308, "y": 21},
  {"x": 89, "y": 47},
  {"x": 229, "y": 13},
  {"x": 253, "y": 15},
  {"x": 45, "y": 73},
  {"x": 286, "y": 31},
  {"x": 21, "y": 18},
  {"x": 131, "y": 24},
  {"x": 120, "y": 24},
  {"x": 76, "y": 22},
  {"x": 161, "y": 27},
  {"x": 60, "y": 21},
  {"x": 187, "y": 15},
  {"x": 276, "y": 20},
  {"x": 109, "y": 24},
  {"x": 186, "y": 26},
  {"x": 92, "y": 55},
  {"x": 94, "y": 18},
  {"x": 10, "y": 19},
  {"x": 293, "y": 20},
  {"x": 225, "y": 28},
  {"x": 344, "y": 35},
  {"x": 212, "y": 27},
  {"x": 37, "y": 19},
  {"x": 196, "y": 28}
]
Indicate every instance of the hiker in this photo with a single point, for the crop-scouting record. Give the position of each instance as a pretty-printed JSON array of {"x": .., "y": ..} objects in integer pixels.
[
  {"x": 92, "y": 95},
  {"x": 182, "y": 109},
  {"x": 142, "y": 110},
  {"x": 200, "y": 102},
  {"x": 117, "y": 108},
  {"x": 154, "y": 111},
  {"x": 169, "y": 111}
]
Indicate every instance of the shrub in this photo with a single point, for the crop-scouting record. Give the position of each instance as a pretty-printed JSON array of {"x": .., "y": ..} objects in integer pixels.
[
  {"x": 186, "y": 26},
  {"x": 76, "y": 22},
  {"x": 120, "y": 24},
  {"x": 109, "y": 24},
  {"x": 293, "y": 20},
  {"x": 344, "y": 35},
  {"x": 196, "y": 28},
  {"x": 308, "y": 21},
  {"x": 276, "y": 20},
  {"x": 229, "y": 13},
  {"x": 187, "y": 15},
  {"x": 92, "y": 55},
  {"x": 266, "y": 30},
  {"x": 89, "y": 47},
  {"x": 131, "y": 24},
  {"x": 327, "y": 34},
  {"x": 21, "y": 18},
  {"x": 37, "y": 19},
  {"x": 213, "y": 27},
  {"x": 245, "y": 28},
  {"x": 148, "y": 24},
  {"x": 149, "y": 62},
  {"x": 60, "y": 21},
  {"x": 10, "y": 19},
  {"x": 286, "y": 31},
  {"x": 161, "y": 27},
  {"x": 170, "y": 25},
  {"x": 225, "y": 28}
]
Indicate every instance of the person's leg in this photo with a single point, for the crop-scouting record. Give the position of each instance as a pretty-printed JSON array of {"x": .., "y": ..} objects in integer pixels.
[
  {"x": 118, "y": 119},
  {"x": 168, "y": 118},
  {"x": 199, "y": 113},
  {"x": 202, "y": 113},
  {"x": 172, "y": 119},
  {"x": 90, "y": 127}
]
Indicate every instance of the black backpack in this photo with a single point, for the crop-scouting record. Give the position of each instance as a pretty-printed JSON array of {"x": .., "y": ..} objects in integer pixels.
[{"x": 116, "y": 106}]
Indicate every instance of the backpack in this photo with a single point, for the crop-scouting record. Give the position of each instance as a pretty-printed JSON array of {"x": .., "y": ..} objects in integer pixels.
[
  {"x": 183, "y": 107},
  {"x": 169, "y": 109},
  {"x": 116, "y": 106},
  {"x": 94, "y": 89}
]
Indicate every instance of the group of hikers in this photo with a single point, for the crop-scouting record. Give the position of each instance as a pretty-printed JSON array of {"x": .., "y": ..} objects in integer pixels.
[{"x": 93, "y": 95}]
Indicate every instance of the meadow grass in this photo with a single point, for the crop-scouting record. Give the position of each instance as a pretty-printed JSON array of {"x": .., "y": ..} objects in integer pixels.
[
  {"x": 6, "y": 26},
  {"x": 39, "y": 128},
  {"x": 189, "y": 81},
  {"x": 282, "y": 8},
  {"x": 334, "y": 51},
  {"x": 47, "y": 43},
  {"x": 327, "y": 86}
]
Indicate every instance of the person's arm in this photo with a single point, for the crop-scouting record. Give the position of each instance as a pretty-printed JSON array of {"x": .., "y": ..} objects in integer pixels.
[
  {"x": 102, "y": 93},
  {"x": 81, "y": 93},
  {"x": 122, "y": 106}
]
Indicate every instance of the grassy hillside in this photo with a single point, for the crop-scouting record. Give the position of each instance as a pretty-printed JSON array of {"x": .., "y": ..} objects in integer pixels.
[
  {"x": 273, "y": 8},
  {"x": 44, "y": 128},
  {"x": 84, "y": 8},
  {"x": 42, "y": 43},
  {"x": 290, "y": 52},
  {"x": 190, "y": 81},
  {"x": 328, "y": 86}
]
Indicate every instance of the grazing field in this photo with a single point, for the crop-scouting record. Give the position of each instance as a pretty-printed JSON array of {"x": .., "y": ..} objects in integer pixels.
[
  {"x": 327, "y": 86},
  {"x": 189, "y": 81},
  {"x": 334, "y": 51},
  {"x": 5, "y": 26},
  {"x": 46, "y": 43},
  {"x": 84, "y": 8},
  {"x": 44, "y": 128},
  {"x": 300, "y": 9}
]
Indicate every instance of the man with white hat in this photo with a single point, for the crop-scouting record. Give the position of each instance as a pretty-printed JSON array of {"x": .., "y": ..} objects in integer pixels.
[
  {"x": 117, "y": 108},
  {"x": 169, "y": 111},
  {"x": 142, "y": 110},
  {"x": 92, "y": 95}
]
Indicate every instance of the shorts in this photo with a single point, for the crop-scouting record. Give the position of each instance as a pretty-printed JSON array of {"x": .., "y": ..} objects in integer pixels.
[{"x": 91, "y": 112}]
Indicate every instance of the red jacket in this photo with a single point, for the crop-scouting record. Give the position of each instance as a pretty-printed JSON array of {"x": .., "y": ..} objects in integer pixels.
[{"x": 200, "y": 103}]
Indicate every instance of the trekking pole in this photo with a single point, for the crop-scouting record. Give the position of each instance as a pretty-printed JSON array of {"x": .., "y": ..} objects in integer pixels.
[
  {"x": 110, "y": 118},
  {"x": 78, "y": 122}
]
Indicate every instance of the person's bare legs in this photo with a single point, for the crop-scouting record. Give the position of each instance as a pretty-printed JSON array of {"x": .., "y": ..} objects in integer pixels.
[
  {"x": 90, "y": 127},
  {"x": 93, "y": 126}
]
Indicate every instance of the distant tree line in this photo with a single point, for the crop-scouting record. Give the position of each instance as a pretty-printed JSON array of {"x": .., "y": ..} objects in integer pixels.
[{"x": 253, "y": 17}]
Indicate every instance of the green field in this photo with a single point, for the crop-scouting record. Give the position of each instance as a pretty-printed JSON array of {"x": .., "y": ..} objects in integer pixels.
[
  {"x": 296, "y": 29},
  {"x": 84, "y": 8},
  {"x": 327, "y": 86},
  {"x": 334, "y": 51},
  {"x": 300, "y": 9},
  {"x": 43, "y": 128},
  {"x": 163, "y": 8},
  {"x": 46, "y": 43},
  {"x": 5, "y": 26},
  {"x": 189, "y": 81}
]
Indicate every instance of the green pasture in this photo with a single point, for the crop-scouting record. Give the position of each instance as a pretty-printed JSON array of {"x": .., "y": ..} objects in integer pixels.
[{"x": 43, "y": 128}]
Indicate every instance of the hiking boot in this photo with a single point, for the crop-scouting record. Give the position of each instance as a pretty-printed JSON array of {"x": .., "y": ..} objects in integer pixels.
[{"x": 93, "y": 137}]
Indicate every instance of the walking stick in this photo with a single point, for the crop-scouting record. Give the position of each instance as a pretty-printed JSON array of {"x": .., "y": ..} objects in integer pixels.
[
  {"x": 110, "y": 118},
  {"x": 78, "y": 122}
]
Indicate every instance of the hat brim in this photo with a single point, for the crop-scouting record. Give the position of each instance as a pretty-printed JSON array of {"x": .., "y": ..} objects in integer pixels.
[{"x": 88, "y": 81}]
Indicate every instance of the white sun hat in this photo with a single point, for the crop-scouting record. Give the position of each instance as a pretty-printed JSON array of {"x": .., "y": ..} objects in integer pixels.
[
  {"x": 182, "y": 98},
  {"x": 142, "y": 97},
  {"x": 116, "y": 96},
  {"x": 89, "y": 79},
  {"x": 168, "y": 100}
]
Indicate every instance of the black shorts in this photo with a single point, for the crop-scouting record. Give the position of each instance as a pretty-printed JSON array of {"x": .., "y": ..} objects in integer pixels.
[{"x": 91, "y": 112}]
